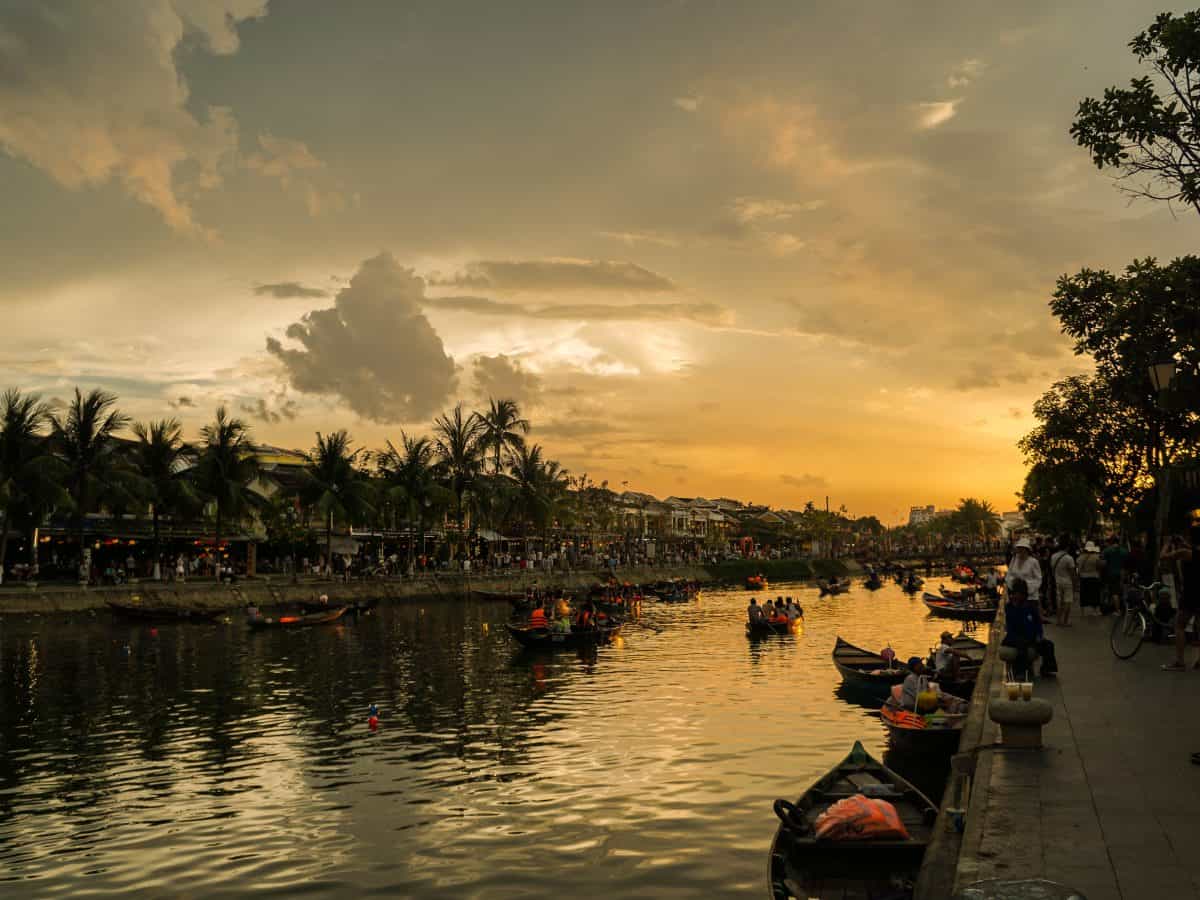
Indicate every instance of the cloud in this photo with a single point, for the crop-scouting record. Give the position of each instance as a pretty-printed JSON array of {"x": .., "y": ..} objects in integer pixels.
[
  {"x": 688, "y": 104},
  {"x": 805, "y": 481},
  {"x": 182, "y": 403},
  {"x": 935, "y": 113},
  {"x": 289, "y": 290},
  {"x": 271, "y": 414},
  {"x": 503, "y": 377},
  {"x": 559, "y": 275},
  {"x": 90, "y": 95},
  {"x": 374, "y": 348},
  {"x": 281, "y": 158},
  {"x": 965, "y": 72},
  {"x": 756, "y": 209},
  {"x": 710, "y": 314},
  {"x": 630, "y": 238}
]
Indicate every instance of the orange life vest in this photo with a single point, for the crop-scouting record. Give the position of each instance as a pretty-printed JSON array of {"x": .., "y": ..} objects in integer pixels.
[{"x": 537, "y": 618}]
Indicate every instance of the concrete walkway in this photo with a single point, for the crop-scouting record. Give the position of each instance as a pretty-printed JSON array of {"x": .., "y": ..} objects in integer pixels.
[{"x": 1111, "y": 806}]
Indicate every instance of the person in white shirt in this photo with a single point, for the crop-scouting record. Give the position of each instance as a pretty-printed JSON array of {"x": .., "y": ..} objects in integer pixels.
[
  {"x": 1024, "y": 566},
  {"x": 1062, "y": 570}
]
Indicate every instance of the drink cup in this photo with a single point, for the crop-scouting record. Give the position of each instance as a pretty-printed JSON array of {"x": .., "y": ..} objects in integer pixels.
[
  {"x": 1012, "y": 689},
  {"x": 1026, "y": 690}
]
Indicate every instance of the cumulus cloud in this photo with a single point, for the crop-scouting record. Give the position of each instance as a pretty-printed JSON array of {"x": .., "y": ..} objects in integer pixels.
[
  {"x": 965, "y": 72},
  {"x": 289, "y": 290},
  {"x": 503, "y": 377},
  {"x": 935, "y": 113},
  {"x": 281, "y": 158},
  {"x": 271, "y": 413},
  {"x": 710, "y": 314},
  {"x": 806, "y": 481},
  {"x": 91, "y": 95},
  {"x": 559, "y": 275},
  {"x": 374, "y": 348}
]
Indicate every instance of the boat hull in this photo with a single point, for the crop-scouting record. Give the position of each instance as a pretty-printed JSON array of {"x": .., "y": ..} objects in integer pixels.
[
  {"x": 949, "y": 610},
  {"x": 546, "y": 639},
  {"x": 297, "y": 621}
]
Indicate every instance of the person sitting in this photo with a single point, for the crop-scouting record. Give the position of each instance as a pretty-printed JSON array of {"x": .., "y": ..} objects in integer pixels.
[
  {"x": 563, "y": 624},
  {"x": 946, "y": 660},
  {"x": 754, "y": 612},
  {"x": 586, "y": 616},
  {"x": 794, "y": 612},
  {"x": 1023, "y": 632},
  {"x": 537, "y": 618},
  {"x": 916, "y": 682}
]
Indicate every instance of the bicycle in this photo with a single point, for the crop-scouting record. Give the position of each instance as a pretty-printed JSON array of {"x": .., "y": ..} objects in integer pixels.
[{"x": 1146, "y": 612}]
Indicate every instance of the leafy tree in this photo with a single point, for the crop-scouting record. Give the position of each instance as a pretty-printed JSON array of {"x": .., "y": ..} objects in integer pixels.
[
  {"x": 97, "y": 472},
  {"x": 409, "y": 475},
  {"x": 225, "y": 469},
  {"x": 975, "y": 519},
  {"x": 29, "y": 475},
  {"x": 1150, "y": 132},
  {"x": 333, "y": 486},
  {"x": 1059, "y": 499},
  {"x": 284, "y": 525},
  {"x": 502, "y": 429},
  {"x": 162, "y": 458},
  {"x": 460, "y": 457}
]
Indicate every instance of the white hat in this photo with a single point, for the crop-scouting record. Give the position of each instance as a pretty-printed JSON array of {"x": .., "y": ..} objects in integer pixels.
[
  {"x": 1091, "y": 547},
  {"x": 1024, "y": 542}
]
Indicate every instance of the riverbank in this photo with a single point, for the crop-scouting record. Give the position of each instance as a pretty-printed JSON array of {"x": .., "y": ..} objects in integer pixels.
[{"x": 278, "y": 591}]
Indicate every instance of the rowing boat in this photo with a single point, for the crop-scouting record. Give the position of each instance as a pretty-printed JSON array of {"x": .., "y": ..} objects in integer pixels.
[
  {"x": 834, "y": 587},
  {"x": 862, "y": 668},
  {"x": 296, "y": 620},
  {"x": 762, "y": 628},
  {"x": 548, "y": 639},
  {"x": 951, "y": 609},
  {"x": 803, "y": 866},
  {"x": 135, "y": 609},
  {"x": 937, "y": 733}
]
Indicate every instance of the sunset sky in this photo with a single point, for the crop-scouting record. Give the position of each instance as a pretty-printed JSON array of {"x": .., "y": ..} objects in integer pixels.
[{"x": 767, "y": 250}]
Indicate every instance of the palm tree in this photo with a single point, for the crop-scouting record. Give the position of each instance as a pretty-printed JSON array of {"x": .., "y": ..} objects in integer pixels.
[
  {"x": 976, "y": 519},
  {"x": 460, "y": 456},
  {"x": 163, "y": 458},
  {"x": 501, "y": 428},
  {"x": 225, "y": 469},
  {"x": 29, "y": 475},
  {"x": 333, "y": 486},
  {"x": 84, "y": 438},
  {"x": 409, "y": 476}
]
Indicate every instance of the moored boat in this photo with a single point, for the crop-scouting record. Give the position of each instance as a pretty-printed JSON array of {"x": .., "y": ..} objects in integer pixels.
[
  {"x": 951, "y": 609},
  {"x": 498, "y": 596},
  {"x": 296, "y": 620},
  {"x": 864, "y": 669},
  {"x": 803, "y": 865},
  {"x": 550, "y": 639},
  {"x": 937, "y": 732},
  {"x": 757, "y": 583}
]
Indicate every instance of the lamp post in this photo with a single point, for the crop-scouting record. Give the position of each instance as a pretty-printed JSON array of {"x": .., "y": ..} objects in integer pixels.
[{"x": 1162, "y": 377}]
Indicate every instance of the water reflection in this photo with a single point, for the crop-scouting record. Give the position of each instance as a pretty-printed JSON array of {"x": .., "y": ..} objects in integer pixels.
[{"x": 212, "y": 759}]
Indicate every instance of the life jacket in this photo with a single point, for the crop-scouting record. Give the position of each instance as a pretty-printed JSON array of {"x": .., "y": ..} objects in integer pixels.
[{"x": 537, "y": 618}]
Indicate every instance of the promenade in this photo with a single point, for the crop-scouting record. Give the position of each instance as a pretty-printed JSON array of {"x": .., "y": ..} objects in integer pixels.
[{"x": 1108, "y": 807}]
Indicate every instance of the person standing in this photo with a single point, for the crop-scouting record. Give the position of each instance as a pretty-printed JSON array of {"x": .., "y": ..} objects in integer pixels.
[
  {"x": 1090, "y": 567},
  {"x": 1114, "y": 556},
  {"x": 1183, "y": 556},
  {"x": 1024, "y": 567},
  {"x": 1062, "y": 568}
]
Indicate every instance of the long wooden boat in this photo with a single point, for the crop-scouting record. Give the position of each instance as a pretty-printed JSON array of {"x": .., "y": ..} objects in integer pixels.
[
  {"x": 162, "y": 613},
  {"x": 862, "y": 668},
  {"x": 498, "y": 596},
  {"x": 296, "y": 620},
  {"x": 762, "y": 628},
  {"x": 964, "y": 594},
  {"x": 801, "y": 866},
  {"x": 951, "y": 609},
  {"x": 548, "y": 639},
  {"x": 837, "y": 587},
  {"x": 932, "y": 734},
  {"x": 757, "y": 583}
]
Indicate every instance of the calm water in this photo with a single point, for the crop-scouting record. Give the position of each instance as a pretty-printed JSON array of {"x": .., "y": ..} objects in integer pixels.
[{"x": 200, "y": 761}]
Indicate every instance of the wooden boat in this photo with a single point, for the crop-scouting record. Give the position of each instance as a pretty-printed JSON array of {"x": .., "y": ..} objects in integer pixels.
[
  {"x": 964, "y": 594},
  {"x": 498, "y": 596},
  {"x": 873, "y": 584},
  {"x": 951, "y": 609},
  {"x": 548, "y": 639},
  {"x": 862, "y": 668},
  {"x": 757, "y": 583},
  {"x": 801, "y": 866},
  {"x": 935, "y": 733},
  {"x": 833, "y": 588},
  {"x": 762, "y": 628},
  {"x": 296, "y": 620},
  {"x": 135, "y": 609},
  {"x": 911, "y": 587}
]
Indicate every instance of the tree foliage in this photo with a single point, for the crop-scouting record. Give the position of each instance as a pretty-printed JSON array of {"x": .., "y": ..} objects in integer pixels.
[{"x": 1059, "y": 499}]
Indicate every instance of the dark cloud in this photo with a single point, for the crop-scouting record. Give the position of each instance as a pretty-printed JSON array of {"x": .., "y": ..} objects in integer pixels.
[
  {"x": 289, "y": 290},
  {"x": 272, "y": 414},
  {"x": 701, "y": 313},
  {"x": 374, "y": 348},
  {"x": 805, "y": 481},
  {"x": 503, "y": 378},
  {"x": 182, "y": 403},
  {"x": 559, "y": 275}
]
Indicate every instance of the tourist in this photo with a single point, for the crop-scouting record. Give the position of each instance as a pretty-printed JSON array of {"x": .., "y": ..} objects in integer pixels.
[
  {"x": 754, "y": 611},
  {"x": 1114, "y": 556},
  {"x": 1023, "y": 632},
  {"x": 946, "y": 658},
  {"x": 1062, "y": 569},
  {"x": 794, "y": 611},
  {"x": 915, "y": 682},
  {"x": 1184, "y": 554},
  {"x": 1089, "y": 566},
  {"x": 1024, "y": 567}
]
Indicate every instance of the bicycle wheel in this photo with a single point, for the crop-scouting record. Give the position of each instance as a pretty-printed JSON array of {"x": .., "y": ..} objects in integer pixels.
[{"x": 1128, "y": 633}]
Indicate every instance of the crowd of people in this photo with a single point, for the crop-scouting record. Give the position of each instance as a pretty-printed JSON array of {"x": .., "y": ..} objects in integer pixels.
[{"x": 777, "y": 613}]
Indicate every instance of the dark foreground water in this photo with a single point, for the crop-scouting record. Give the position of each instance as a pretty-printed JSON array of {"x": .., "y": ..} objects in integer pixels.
[{"x": 200, "y": 761}]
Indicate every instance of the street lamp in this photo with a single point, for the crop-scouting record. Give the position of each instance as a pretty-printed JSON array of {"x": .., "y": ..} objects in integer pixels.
[{"x": 1162, "y": 374}]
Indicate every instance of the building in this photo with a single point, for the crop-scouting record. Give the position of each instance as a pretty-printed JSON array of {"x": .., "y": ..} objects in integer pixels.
[{"x": 919, "y": 515}]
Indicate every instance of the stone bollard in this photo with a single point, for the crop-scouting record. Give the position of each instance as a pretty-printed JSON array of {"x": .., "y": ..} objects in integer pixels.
[{"x": 1020, "y": 721}]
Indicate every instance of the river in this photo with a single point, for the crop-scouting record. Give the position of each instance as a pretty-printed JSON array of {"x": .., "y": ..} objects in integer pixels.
[{"x": 209, "y": 760}]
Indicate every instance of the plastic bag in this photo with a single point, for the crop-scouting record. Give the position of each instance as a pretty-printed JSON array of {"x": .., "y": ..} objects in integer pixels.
[{"x": 860, "y": 818}]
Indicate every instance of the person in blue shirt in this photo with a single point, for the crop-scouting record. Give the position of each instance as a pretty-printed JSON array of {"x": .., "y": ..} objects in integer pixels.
[{"x": 1023, "y": 631}]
